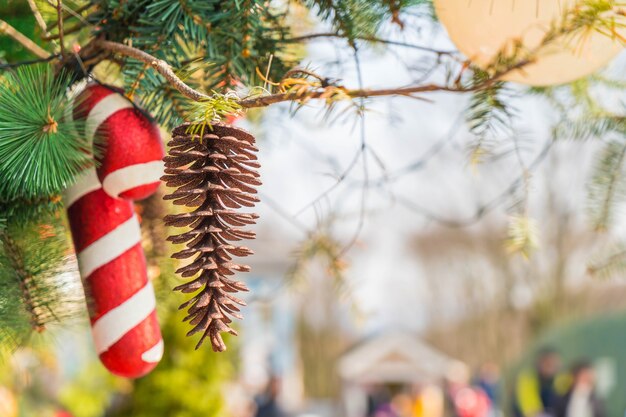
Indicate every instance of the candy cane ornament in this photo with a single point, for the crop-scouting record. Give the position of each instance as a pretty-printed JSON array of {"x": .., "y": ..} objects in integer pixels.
[
  {"x": 111, "y": 261},
  {"x": 131, "y": 164},
  {"x": 106, "y": 231}
]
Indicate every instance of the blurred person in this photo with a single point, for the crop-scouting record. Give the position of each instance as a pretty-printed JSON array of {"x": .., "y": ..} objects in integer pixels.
[
  {"x": 461, "y": 399},
  {"x": 267, "y": 404},
  {"x": 378, "y": 398},
  {"x": 402, "y": 405},
  {"x": 428, "y": 402},
  {"x": 581, "y": 399},
  {"x": 488, "y": 380},
  {"x": 537, "y": 390}
]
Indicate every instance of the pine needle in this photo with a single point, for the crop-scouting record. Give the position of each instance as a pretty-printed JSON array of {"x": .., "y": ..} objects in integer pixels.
[{"x": 40, "y": 149}]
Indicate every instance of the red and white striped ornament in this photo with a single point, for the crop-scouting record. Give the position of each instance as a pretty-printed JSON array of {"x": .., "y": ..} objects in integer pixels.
[
  {"x": 132, "y": 162},
  {"x": 112, "y": 264},
  {"x": 106, "y": 232}
]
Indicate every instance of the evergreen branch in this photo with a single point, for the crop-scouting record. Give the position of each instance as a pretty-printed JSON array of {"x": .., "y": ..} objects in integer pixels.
[
  {"x": 607, "y": 183},
  {"x": 22, "y": 39},
  {"x": 580, "y": 19},
  {"x": 26, "y": 282},
  {"x": 41, "y": 149},
  {"x": 159, "y": 65}
]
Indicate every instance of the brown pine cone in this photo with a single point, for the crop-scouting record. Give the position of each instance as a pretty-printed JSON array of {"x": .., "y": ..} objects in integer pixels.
[{"x": 215, "y": 174}]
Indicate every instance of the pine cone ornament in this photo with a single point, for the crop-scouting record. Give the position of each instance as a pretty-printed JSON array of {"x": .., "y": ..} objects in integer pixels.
[{"x": 214, "y": 172}]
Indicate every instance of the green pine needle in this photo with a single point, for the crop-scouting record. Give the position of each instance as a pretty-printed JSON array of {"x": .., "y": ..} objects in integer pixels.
[
  {"x": 38, "y": 285},
  {"x": 607, "y": 185},
  {"x": 40, "y": 150}
]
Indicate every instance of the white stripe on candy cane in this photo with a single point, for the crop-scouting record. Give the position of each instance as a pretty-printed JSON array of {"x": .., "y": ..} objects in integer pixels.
[
  {"x": 154, "y": 354},
  {"x": 109, "y": 246},
  {"x": 111, "y": 327},
  {"x": 104, "y": 109},
  {"x": 87, "y": 182},
  {"x": 132, "y": 176}
]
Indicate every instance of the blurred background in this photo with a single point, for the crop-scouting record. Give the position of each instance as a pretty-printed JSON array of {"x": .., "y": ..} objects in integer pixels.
[{"x": 401, "y": 270}]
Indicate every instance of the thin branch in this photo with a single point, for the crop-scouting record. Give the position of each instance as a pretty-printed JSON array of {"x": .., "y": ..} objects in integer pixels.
[
  {"x": 159, "y": 65},
  {"x": 373, "y": 39},
  {"x": 262, "y": 101},
  {"x": 73, "y": 13},
  {"x": 23, "y": 40},
  {"x": 60, "y": 25},
  {"x": 75, "y": 28},
  {"x": 29, "y": 62},
  {"x": 38, "y": 16}
]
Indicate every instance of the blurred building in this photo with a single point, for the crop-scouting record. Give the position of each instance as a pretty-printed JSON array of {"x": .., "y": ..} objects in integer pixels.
[{"x": 398, "y": 359}]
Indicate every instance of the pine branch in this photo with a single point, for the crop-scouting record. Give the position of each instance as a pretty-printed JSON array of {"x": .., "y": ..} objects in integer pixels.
[
  {"x": 159, "y": 65},
  {"x": 38, "y": 284},
  {"x": 41, "y": 149},
  {"x": 607, "y": 184}
]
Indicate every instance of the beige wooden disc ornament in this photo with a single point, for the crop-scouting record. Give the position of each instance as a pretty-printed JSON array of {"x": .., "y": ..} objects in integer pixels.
[{"x": 482, "y": 28}]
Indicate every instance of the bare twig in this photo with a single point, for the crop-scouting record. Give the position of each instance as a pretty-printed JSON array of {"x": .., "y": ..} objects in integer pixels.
[
  {"x": 60, "y": 26},
  {"x": 69, "y": 13},
  {"x": 29, "y": 62},
  {"x": 23, "y": 40},
  {"x": 38, "y": 16},
  {"x": 373, "y": 39},
  {"x": 159, "y": 65}
]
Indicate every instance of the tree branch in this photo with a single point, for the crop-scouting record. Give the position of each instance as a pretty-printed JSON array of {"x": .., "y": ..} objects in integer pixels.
[
  {"x": 23, "y": 40},
  {"x": 159, "y": 65},
  {"x": 38, "y": 16},
  {"x": 60, "y": 26},
  {"x": 29, "y": 62},
  {"x": 164, "y": 69}
]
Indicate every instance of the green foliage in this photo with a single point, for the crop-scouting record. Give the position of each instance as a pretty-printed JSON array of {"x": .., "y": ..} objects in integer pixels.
[
  {"x": 40, "y": 150},
  {"x": 488, "y": 115},
  {"x": 359, "y": 18},
  {"x": 607, "y": 184},
  {"x": 186, "y": 383},
  {"x": 18, "y": 15},
  {"x": 214, "y": 45},
  {"x": 37, "y": 286}
]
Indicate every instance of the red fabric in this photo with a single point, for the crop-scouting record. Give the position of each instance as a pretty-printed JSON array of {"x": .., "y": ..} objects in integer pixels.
[
  {"x": 96, "y": 214},
  {"x": 130, "y": 137},
  {"x": 91, "y": 217},
  {"x": 124, "y": 357}
]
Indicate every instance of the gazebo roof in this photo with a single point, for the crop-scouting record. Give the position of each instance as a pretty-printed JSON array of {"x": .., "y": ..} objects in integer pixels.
[{"x": 390, "y": 357}]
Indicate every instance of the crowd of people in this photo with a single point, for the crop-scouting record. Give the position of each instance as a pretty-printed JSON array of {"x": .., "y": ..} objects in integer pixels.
[{"x": 543, "y": 389}]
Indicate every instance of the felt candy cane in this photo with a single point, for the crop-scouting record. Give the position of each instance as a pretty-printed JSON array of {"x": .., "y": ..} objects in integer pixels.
[
  {"x": 106, "y": 231},
  {"x": 113, "y": 268},
  {"x": 131, "y": 164}
]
